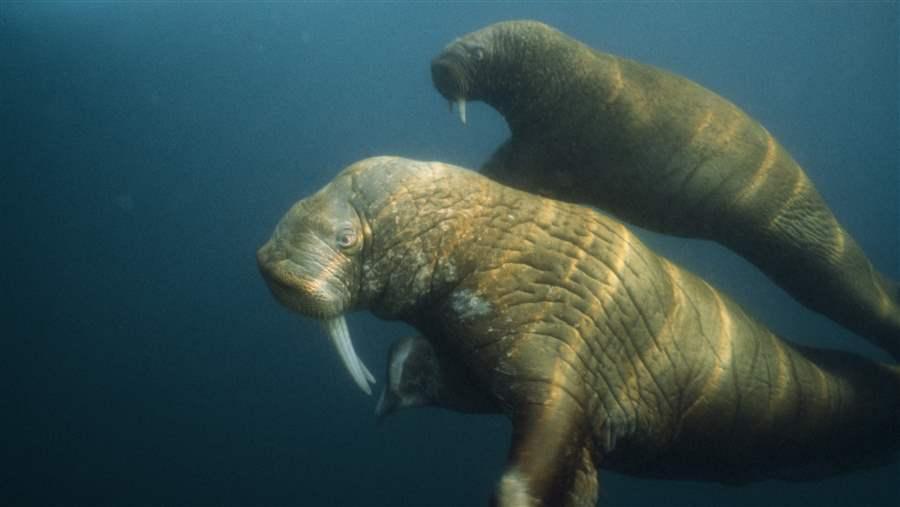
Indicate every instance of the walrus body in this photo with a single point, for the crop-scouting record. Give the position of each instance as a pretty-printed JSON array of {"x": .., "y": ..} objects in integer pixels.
[
  {"x": 599, "y": 351},
  {"x": 664, "y": 153}
]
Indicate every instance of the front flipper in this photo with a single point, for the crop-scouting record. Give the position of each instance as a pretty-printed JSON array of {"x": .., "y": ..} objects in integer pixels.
[{"x": 550, "y": 461}]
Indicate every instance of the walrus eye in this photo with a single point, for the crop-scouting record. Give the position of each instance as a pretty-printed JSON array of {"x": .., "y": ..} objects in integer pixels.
[
  {"x": 346, "y": 238},
  {"x": 479, "y": 54}
]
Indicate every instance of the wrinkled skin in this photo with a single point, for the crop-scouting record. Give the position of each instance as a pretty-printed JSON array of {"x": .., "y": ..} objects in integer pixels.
[
  {"x": 600, "y": 352},
  {"x": 664, "y": 153}
]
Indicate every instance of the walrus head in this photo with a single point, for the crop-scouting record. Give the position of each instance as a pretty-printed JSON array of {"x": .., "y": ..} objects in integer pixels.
[
  {"x": 490, "y": 64},
  {"x": 413, "y": 377},
  {"x": 364, "y": 241},
  {"x": 455, "y": 72},
  {"x": 310, "y": 265}
]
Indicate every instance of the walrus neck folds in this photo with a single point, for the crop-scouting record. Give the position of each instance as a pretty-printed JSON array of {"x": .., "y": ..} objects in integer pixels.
[
  {"x": 499, "y": 65},
  {"x": 520, "y": 86},
  {"x": 408, "y": 263}
]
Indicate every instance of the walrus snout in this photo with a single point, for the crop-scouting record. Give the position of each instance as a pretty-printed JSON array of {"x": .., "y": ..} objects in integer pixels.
[
  {"x": 304, "y": 273},
  {"x": 297, "y": 289},
  {"x": 451, "y": 80},
  {"x": 310, "y": 267},
  {"x": 449, "y": 76}
]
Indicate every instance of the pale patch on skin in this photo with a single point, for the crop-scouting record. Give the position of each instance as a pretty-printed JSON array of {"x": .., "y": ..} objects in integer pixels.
[
  {"x": 397, "y": 366},
  {"x": 469, "y": 305},
  {"x": 449, "y": 271},
  {"x": 513, "y": 491},
  {"x": 422, "y": 279}
]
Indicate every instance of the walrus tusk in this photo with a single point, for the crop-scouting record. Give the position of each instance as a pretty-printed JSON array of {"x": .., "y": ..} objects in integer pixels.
[
  {"x": 461, "y": 108},
  {"x": 340, "y": 337}
]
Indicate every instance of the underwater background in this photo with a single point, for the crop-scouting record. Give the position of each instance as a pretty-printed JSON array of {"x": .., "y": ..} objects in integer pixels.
[{"x": 148, "y": 148}]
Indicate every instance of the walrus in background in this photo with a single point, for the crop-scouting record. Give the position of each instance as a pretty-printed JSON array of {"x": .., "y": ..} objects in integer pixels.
[
  {"x": 600, "y": 352},
  {"x": 417, "y": 376},
  {"x": 664, "y": 153}
]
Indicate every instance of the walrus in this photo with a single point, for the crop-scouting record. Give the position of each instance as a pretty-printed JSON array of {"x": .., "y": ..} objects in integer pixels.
[
  {"x": 417, "y": 376},
  {"x": 601, "y": 352},
  {"x": 662, "y": 152}
]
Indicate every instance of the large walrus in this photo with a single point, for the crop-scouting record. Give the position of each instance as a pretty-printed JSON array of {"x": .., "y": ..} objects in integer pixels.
[
  {"x": 662, "y": 152},
  {"x": 601, "y": 352}
]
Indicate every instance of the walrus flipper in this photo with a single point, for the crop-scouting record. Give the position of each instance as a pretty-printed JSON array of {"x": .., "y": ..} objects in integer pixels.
[
  {"x": 548, "y": 462},
  {"x": 418, "y": 376}
]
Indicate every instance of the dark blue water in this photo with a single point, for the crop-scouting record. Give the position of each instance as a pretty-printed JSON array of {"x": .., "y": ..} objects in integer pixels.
[{"x": 149, "y": 148}]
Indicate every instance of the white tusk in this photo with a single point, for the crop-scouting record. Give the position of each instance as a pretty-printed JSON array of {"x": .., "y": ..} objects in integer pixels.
[
  {"x": 461, "y": 107},
  {"x": 366, "y": 372},
  {"x": 340, "y": 337}
]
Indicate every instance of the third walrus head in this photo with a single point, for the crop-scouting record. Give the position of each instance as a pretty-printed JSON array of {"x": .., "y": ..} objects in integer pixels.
[{"x": 418, "y": 376}]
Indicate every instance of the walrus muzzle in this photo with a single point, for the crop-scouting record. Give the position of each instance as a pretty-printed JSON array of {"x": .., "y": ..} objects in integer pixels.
[
  {"x": 448, "y": 72},
  {"x": 310, "y": 272}
]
